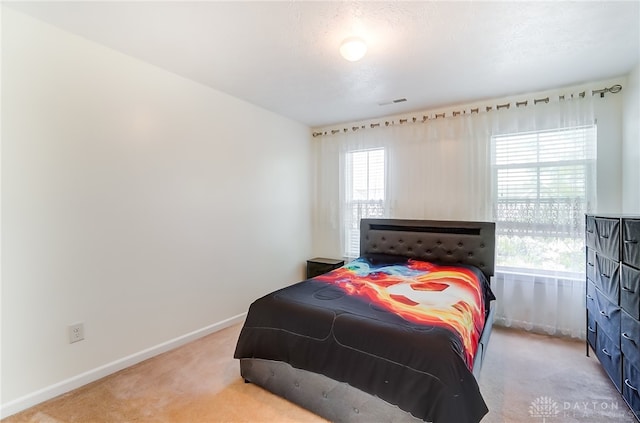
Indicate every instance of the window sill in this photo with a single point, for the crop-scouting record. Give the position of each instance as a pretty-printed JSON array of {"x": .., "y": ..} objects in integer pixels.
[{"x": 541, "y": 273}]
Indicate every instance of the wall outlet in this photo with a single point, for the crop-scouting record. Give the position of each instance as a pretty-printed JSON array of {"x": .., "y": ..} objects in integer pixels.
[{"x": 76, "y": 332}]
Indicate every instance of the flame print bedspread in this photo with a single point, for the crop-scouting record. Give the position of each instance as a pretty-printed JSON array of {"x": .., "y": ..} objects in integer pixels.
[
  {"x": 422, "y": 293},
  {"x": 406, "y": 331}
]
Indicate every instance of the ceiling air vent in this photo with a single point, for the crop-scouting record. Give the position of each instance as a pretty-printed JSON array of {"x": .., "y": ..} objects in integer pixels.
[{"x": 397, "y": 100}]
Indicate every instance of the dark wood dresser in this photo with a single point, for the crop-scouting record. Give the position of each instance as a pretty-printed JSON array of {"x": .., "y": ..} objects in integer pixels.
[{"x": 613, "y": 300}]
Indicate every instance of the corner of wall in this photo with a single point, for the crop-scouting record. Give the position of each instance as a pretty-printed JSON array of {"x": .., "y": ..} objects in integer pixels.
[{"x": 631, "y": 144}]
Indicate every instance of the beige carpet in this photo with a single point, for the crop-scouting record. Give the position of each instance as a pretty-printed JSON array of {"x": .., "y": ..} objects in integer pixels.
[
  {"x": 522, "y": 370},
  {"x": 200, "y": 382}
]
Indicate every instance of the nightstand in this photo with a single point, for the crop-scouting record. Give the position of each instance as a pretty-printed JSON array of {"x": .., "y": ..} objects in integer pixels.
[{"x": 319, "y": 265}]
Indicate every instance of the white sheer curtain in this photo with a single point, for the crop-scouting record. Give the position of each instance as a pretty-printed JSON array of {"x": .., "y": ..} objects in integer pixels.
[
  {"x": 436, "y": 170},
  {"x": 442, "y": 169},
  {"x": 543, "y": 289},
  {"x": 330, "y": 183}
]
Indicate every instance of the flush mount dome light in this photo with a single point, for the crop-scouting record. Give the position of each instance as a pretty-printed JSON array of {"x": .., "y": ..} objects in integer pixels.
[{"x": 353, "y": 49}]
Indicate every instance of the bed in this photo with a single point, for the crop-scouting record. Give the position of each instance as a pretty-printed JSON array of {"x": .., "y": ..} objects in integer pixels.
[{"x": 357, "y": 345}]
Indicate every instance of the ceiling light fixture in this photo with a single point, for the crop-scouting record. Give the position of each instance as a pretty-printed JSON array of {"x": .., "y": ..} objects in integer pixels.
[{"x": 353, "y": 49}]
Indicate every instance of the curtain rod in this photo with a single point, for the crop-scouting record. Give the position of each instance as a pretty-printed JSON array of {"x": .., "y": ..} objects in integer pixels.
[{"x": 613, "y": 89}]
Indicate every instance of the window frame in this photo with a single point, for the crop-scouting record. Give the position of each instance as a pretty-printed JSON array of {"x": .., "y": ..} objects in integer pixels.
[
  {"x": 351, "y": 216},
  {"x": 545, "y": 228}
]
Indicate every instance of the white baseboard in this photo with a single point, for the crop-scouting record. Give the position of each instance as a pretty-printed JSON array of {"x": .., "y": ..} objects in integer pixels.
[{"x": 82, "y": 379}]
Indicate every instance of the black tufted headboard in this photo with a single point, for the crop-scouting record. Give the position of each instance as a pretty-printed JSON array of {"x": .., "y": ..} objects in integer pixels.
[{"x": 443, "y": 241}]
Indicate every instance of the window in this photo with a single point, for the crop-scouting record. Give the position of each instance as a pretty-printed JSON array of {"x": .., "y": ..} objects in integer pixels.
[
  {"x": 542, "y": 190},
  {"x": 364, "y": 193}
]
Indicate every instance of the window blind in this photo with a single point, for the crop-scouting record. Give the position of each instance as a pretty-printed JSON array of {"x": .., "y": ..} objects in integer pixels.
[
  {"x": 365, "y": 193},
  {"x": 542, "y": 190}
]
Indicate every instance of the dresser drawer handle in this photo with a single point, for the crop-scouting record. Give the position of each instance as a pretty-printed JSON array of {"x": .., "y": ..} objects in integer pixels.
[
  {"x": 590, "y": 231},
  {"x": 604, "y": 350},
  {"x": 590, "y": 264},
  {"x": 604, "y": 314},
  {"x": 626, "y": 382},
  {"x": 591, "y": 330},
  {"x": 604, "y": 236},
  {"x": 604, "y": 275},
  {"x": 630, "y": 241},
  {"x": 625, "y": 289},
  {"x": 589, "y": 297},
  {"x": 627, "y": 337}
]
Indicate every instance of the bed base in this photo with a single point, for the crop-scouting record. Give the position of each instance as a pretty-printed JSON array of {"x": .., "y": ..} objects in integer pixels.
[{"x": 333, "y": 400}]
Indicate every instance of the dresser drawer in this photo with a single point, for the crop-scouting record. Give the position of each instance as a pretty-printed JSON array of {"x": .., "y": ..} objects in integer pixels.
[
  {"x": 591, "y": 329},
  {"x": 631, "y": 242},
  {"x": 591, "y": 264},
  {"x": 592, "y": 306},
  {"x": 590, "y": 232},
  {"x": 631, "y": 385},
  {"x": 630, "y": 337},
  {"x": 607, "y": 276},
  {"x": 607, "y": 315},
  {"x": 603, "y": 235},
  {"x": 630, "y": 291},
  {"x": 610, "y": 357}
]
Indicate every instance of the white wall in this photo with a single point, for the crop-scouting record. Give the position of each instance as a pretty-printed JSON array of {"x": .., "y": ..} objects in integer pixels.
[
  {"x": 608, "y": 112},
  {"x": 631, "y": 146},
  {"x": 149, "y": 207}
]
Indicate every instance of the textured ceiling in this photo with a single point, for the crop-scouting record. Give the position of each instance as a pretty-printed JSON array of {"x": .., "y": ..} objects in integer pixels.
[{"x": 283, "y": 56}]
